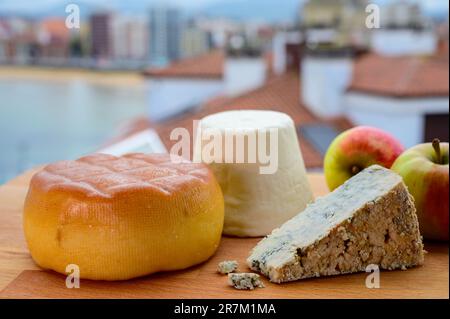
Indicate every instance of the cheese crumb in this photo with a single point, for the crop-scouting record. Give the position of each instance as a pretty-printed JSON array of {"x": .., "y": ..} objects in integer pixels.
[
  {"x": 227, "y": 266},
  {"x": 247, "y": 281}
]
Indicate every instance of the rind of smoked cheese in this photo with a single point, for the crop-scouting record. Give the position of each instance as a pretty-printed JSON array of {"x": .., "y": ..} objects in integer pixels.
[
  {"x": 118, "y": 218},
  {"x": 256, "y": 203}
]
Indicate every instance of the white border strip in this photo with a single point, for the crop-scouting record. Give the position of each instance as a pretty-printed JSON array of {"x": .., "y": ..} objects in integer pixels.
[{"x": 144, "y": 138}]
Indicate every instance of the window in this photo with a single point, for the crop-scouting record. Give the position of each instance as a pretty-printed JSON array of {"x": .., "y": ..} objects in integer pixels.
[
  {"x": 319, "y": 136},
  {"x": 436, "y": 126}
]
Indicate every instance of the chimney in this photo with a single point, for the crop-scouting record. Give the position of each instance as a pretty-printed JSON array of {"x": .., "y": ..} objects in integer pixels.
[
  {"x": 325, "y": 77},
  {"x": 245, "y": 68},
  {"x": 286, "y": 46}
]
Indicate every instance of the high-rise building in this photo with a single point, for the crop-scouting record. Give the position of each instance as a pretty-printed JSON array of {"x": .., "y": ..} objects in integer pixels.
[
  {"x": 402, "y": 14},
  {"x": 194, "y": 41},
  {"x": 165, "y": 34},
  {"x": 129, "y": 37},
  {"x": 101, "y": 46},
  {"x": 340, "y": 23},
  {"x": 404, "y": 30}
]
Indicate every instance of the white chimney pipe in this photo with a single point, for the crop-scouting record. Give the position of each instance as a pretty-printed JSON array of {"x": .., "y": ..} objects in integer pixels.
[
  {"x": 279, "y": 44},
  {"x": 242, "y": 74}
]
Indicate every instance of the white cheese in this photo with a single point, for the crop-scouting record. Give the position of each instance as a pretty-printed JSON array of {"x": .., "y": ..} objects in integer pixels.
[{"x": 263, "y": 194}]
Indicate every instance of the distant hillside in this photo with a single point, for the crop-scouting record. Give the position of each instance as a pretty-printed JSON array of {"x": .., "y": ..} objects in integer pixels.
[
  {"x": 49, "y": 8},
  {"x": 263, "y": 10},
  {"x": 266, "y": 10}
]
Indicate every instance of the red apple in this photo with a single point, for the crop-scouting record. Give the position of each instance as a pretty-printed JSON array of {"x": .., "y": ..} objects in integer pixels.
[
  {"x": 424, "y": 169},
  {"x": 356, "y": 149}
]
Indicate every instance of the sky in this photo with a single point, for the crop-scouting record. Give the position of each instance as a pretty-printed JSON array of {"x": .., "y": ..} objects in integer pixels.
[
  {"x": 33, "y": 4},
  {"x": 431, "y": 7}
]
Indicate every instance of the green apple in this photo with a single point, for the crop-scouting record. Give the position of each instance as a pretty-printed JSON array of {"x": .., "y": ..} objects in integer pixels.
[
  {"x": 358, "y": 148},
  {"x": 424, "y": 169}
]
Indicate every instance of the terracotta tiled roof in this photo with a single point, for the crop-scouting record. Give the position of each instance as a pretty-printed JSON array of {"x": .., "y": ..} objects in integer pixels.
[
  {"x": 5, "y": 30},
  {"x": 281, "y": 93},
  {"x": 56, "y": 28},
  {"x": 209, "y": 65},
  {"x": 406, "y": 76}
]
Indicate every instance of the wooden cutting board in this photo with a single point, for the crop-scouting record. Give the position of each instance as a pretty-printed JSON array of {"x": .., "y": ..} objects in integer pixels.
[{"x": 21, "y": 278}]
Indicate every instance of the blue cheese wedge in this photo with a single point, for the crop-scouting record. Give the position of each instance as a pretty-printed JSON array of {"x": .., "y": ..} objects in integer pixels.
[
  {"x": 370, "y": 219},
  {"x": 247, "y": 281},
  {"x": 227, "y": 266}
]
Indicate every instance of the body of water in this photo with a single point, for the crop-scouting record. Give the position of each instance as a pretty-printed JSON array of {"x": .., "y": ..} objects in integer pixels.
[{"x": 45, "y": 121}]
